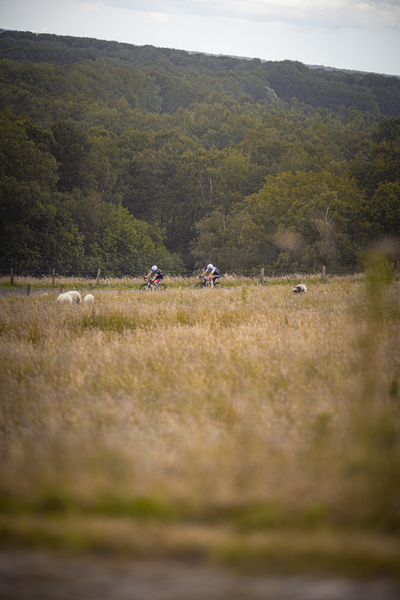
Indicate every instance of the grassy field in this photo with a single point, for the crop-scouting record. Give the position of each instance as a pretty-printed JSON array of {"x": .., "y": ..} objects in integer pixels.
[{"x": 245, "y": 426}]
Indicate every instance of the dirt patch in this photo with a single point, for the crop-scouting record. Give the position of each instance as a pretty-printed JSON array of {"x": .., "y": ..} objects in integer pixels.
[{"x": 41, "y": 575}]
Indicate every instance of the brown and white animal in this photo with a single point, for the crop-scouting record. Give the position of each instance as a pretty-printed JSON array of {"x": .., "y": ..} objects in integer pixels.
[{"x": 299, "y": 289}]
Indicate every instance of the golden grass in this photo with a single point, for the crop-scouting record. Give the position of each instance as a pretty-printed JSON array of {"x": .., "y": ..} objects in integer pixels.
[
  {"x": 248, "y": 413},
  {"x": 46, "y": 281}
]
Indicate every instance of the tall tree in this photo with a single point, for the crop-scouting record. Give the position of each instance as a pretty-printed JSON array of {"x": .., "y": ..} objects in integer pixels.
[
  {"x": 71, "y": 148},
  {"x": 36, "y": 231}
]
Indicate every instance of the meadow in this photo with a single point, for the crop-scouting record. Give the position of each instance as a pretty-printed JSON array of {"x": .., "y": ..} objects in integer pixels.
[{"x": 246, "y": 426}]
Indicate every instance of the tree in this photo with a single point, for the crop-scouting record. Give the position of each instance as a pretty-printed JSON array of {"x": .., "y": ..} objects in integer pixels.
[
  {"x": 382, "y": 211},
  {"x": 35, "y": 230},
  {"x": 297, "y": 220},
  {"x": 321, "y": 208},
  {"x": 126, "y": 244},
  {"x": 226, "y": 240},
  {"x": 382, "y": 164},
  {"x": 71, "y": 149}
]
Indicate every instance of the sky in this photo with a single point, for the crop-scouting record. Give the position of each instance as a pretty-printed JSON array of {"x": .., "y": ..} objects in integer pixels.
[{"x": 344, "y": 34}]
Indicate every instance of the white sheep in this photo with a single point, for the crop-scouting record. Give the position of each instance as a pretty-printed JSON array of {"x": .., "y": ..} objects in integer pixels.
[
  {"x": 299, "y": 289},
  {"x": 88, "y": 299},
  {"x": 76, "y": 297},
  {"x": 65, "y": 298}
]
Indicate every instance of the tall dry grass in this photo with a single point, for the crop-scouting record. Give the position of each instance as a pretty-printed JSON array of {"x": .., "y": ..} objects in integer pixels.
[{"x": 248, "y": 407}]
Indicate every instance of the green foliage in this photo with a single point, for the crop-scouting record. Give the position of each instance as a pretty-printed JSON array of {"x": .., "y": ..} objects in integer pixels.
[
  {"x": 382, "y": 211},
  {"x": 126, "y": 244},
  {"x": 242, "y": 162},
  {"x": 36, "y": 229},
  {"x": 166, "y": 79},
  {"x": 70, "y": 148},
  {"x": 383, "y": 273},
  {"x": 42, "y": 228},
  {"x": 227, "y": 240},
  {"x": 301, "y": 220}
]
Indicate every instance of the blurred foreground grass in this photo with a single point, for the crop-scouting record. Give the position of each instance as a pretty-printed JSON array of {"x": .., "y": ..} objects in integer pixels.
[{"x": 245, "y": 425}]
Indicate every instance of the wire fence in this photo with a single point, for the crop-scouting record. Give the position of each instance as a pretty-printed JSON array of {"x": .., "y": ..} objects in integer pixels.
[
  {"x": 32, "y": 282},
  {"x": 254, "y": 273}
]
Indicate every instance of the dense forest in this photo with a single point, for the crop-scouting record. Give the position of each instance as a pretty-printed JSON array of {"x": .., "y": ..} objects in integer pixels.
[{"x": 118, "y": 156}]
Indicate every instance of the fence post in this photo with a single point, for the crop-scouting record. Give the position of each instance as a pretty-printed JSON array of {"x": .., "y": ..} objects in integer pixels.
[
  {"x": 28, "y": 290},
  {"x": 323, "y": 273},
  {"x": 12, "y": 276},
  {"x": 61, "y": 289},
  {"x": 98, "y": 277},
  {"x": 54, "y": 275},
  {"x": 262, "y": 275},
  {"x": 90, "y": 287}
]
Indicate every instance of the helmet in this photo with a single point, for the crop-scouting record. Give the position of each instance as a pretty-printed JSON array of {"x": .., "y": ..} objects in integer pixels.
[
  {"x": 209, "y": 267},
  {"x": 154, "y": 268}
]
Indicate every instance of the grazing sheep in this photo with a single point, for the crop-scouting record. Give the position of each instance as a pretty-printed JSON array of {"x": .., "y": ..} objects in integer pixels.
[
  {"x": 299, "y": 289},
  {"x": 88, "y": 299},
  {"x": 76, "y": 297},
  {"x": 65, "y": 298}
]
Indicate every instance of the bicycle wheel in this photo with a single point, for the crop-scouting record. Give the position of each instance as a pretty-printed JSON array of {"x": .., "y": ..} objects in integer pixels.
[
  {"x": 144, "y": 287},
  {"x": 161, "y": 287},
  {"x": 199, "y": 285},
  {"x": 219, "y": 284}
]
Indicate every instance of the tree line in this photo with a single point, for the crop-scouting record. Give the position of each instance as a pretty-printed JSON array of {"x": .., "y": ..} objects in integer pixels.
[{"x": 117, "y": 156}]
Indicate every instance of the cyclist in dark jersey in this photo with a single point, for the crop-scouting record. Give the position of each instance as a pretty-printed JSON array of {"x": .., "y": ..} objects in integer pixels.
[
  {"x": 212, "y": 273},
  {"x": 155, "y": 275}
]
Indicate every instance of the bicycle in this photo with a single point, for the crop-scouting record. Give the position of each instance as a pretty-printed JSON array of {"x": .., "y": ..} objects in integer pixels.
[
  {"x": 150, "y": 286},
  {"x": 205, "y": 283}
]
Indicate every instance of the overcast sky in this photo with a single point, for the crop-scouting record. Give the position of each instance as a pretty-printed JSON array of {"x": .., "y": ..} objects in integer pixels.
[{"x": 346, "y": 34}]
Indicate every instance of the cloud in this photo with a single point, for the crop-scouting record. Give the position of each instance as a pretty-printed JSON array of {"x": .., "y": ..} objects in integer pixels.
[
  {"x": 347, "y": 34},
  {"x": 159, "y": 17},
  {"x": 320, "y": 13}
]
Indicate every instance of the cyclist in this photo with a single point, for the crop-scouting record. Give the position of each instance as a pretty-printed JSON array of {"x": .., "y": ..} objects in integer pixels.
[
  {"x": 212, "y": 273},
  {"x": 155, "y": 275}
]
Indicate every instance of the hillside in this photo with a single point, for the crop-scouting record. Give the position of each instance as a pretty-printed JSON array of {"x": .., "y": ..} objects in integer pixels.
[
  {"x": 191, "y": 74},
  {"x": 117, "y": 156}
]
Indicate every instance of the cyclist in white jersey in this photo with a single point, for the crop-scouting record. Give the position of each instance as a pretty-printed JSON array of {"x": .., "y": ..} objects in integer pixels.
[{"x": 212, "y": 273}]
